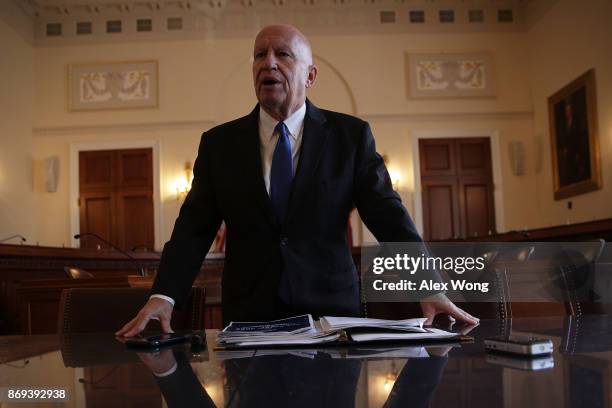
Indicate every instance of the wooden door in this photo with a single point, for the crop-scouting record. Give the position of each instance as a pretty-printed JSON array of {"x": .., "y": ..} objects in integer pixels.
[
  {"x": 457, "y": 188},
  {"x": 116, "y": 198}
]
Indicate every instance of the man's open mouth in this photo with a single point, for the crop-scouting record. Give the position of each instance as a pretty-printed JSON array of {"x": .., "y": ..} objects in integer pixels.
[{"x": 270, "y": 82}]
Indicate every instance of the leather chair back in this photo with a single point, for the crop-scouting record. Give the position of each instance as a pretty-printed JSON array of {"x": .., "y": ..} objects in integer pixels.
[{"x": 95, "y": 310}]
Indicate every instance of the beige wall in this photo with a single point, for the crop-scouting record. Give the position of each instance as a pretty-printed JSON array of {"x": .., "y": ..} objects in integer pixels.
[
  {"x": 572, "y": 38},
  {"x": 208, "y": 82},
  {"x": 174, "y": 145},
  {"x": 205, "y": 82},
  {"x": 16, "y": 100},
  {"x": 374, "y": 68}
]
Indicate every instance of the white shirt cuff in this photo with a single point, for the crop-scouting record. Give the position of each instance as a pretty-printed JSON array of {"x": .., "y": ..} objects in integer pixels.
[
  {"x": 167, "y": 373},
  {"x": 166, "y": 298}
]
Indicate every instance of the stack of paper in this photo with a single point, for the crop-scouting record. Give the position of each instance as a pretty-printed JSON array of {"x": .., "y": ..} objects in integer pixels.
[
  {"x": 356, "y": 352},
  {"x": 293, "y": 330},
  {"x": 362, "y": 329},
  {"x": 429, "y": 334},
  {"x": 407, "y": 325},
  {"x": 302, "y": 330}
]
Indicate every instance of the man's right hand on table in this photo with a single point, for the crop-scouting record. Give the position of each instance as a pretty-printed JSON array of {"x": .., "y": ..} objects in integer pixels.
[{"x": 156, "y": 309}]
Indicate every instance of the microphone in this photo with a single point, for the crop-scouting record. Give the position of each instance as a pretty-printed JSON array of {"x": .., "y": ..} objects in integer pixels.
[
  {"x": 21, "y": 238},
  {"x": 141, "y": 270}
]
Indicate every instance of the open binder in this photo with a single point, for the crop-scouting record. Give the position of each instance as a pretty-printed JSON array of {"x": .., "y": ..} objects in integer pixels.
[{"x": 328, "y": 331}]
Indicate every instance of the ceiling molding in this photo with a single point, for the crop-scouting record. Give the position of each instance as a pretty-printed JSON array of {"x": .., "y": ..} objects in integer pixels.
[
  {"x": 16, "y": 16},
  {"x": 536, "y": 10},
  {"x": 229, "y": 18}
]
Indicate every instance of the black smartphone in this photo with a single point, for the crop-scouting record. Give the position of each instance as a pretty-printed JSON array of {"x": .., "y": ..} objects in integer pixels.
[{"x": 158, "y": 340}]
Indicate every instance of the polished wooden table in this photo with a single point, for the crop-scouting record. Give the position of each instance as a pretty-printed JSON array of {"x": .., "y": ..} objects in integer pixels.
[{"x": 97, "y": 371}]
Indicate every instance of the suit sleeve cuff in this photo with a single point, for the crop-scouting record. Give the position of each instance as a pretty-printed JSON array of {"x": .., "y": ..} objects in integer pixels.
[
  {"x": 167, "y": 373},
  {"x": 166, "y": 298}
]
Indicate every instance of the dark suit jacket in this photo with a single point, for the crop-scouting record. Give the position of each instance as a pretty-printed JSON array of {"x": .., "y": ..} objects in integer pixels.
[{"x": 304, "y": 264}]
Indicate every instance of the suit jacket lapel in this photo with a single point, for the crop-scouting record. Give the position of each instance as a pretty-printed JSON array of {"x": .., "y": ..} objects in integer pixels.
[
  {"x": 314, "y": 139},
  {"x": 251, "y": 156}
]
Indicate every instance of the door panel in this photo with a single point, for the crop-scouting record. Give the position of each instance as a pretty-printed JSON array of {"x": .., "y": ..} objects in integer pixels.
[
  {"x": 476, "y": 209},
  {"x": 134, "y": 168},
  {"x": 135, "y": 214},
  {"x": 116, "y": 197},
  {"x": 440, "y": 210},
  {"x": 473, "y": 156},
  {"x": 96, "y": 170},
  {"x": 96, "y": 210},
  {"x": 457, "y": 188},
  {"x": 437, "y": 157}
]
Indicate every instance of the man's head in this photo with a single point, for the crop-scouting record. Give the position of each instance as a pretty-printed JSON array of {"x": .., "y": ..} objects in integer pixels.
[{"x": 282, "y": 69}]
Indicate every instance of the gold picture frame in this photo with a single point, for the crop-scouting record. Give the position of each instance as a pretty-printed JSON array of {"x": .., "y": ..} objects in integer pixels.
[
  {"x": 572, "y": 114},
  {"x": 112, "y": 85}
]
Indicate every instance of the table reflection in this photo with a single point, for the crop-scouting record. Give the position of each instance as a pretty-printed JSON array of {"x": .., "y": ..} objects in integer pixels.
[
  {"x": 97, "y": 370},
  {"x": 283, "y": 380}
]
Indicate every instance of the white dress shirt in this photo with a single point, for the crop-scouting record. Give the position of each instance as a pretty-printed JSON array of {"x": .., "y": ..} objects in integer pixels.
[{"x": 267, "y": 140}]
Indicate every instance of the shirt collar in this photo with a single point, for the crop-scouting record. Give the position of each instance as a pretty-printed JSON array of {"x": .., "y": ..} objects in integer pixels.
[{"x": 294, "y": 122}]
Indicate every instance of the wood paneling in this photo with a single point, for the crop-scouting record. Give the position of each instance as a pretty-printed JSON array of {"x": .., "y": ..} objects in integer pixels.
[
  {"x": 440, "y": 209},
  {"x": 474, "y": 156},
  {"x": 457, "y": 188},
  {"x": 116, "y": 198},
  {"x": 584, "y": 231},
  {"x": 31, "y": 277},
  {"x": 38, "y": 303},
  {"x": 476, "y": 202},
  {"x": 97, "y": 212},
  {"x": 135, "y": 215},
  {"x": 38, "y": 300},
  {"x": 21, "y": 347},
  {"x": 134, "y": 168},
  {"x": 439, "y": 157},
  {"x": 96, "y": 170}
]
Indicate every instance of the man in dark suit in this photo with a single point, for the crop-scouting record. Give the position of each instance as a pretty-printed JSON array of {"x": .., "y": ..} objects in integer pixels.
[{"x": 284, "y": 179}]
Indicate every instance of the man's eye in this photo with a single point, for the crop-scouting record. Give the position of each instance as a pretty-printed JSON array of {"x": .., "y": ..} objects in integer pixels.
[
  {"x": 259, "y": 55},
  {"x": 283, "y": 54}
]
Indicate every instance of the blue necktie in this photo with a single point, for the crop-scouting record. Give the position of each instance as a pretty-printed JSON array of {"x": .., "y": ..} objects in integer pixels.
[{"x": 281, "y": 173}]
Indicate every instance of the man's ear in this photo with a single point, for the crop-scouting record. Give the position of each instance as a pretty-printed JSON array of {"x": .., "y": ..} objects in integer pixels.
[{"x": 312, "y": 75}]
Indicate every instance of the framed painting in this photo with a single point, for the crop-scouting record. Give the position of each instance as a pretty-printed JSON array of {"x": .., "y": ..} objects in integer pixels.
[
  {"x": 123, "y": 85},
  {"x": 574, "y": 142}
]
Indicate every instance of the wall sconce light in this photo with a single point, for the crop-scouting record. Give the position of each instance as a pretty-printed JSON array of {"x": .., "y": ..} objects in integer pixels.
[
  {"x": 183, "y": 184},
  {"x": 395, "y": 174},
  {"x": 51, "y": 165},
  {"x": 395, "y": 178},
  {"x": 390, "y": 377},
  {"x": 516, "y": 151}
]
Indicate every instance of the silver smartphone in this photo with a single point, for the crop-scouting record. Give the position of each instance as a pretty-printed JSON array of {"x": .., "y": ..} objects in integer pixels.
[
  {"x": 523, "y": 345},
  {"x": 541, "y": 362}
]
